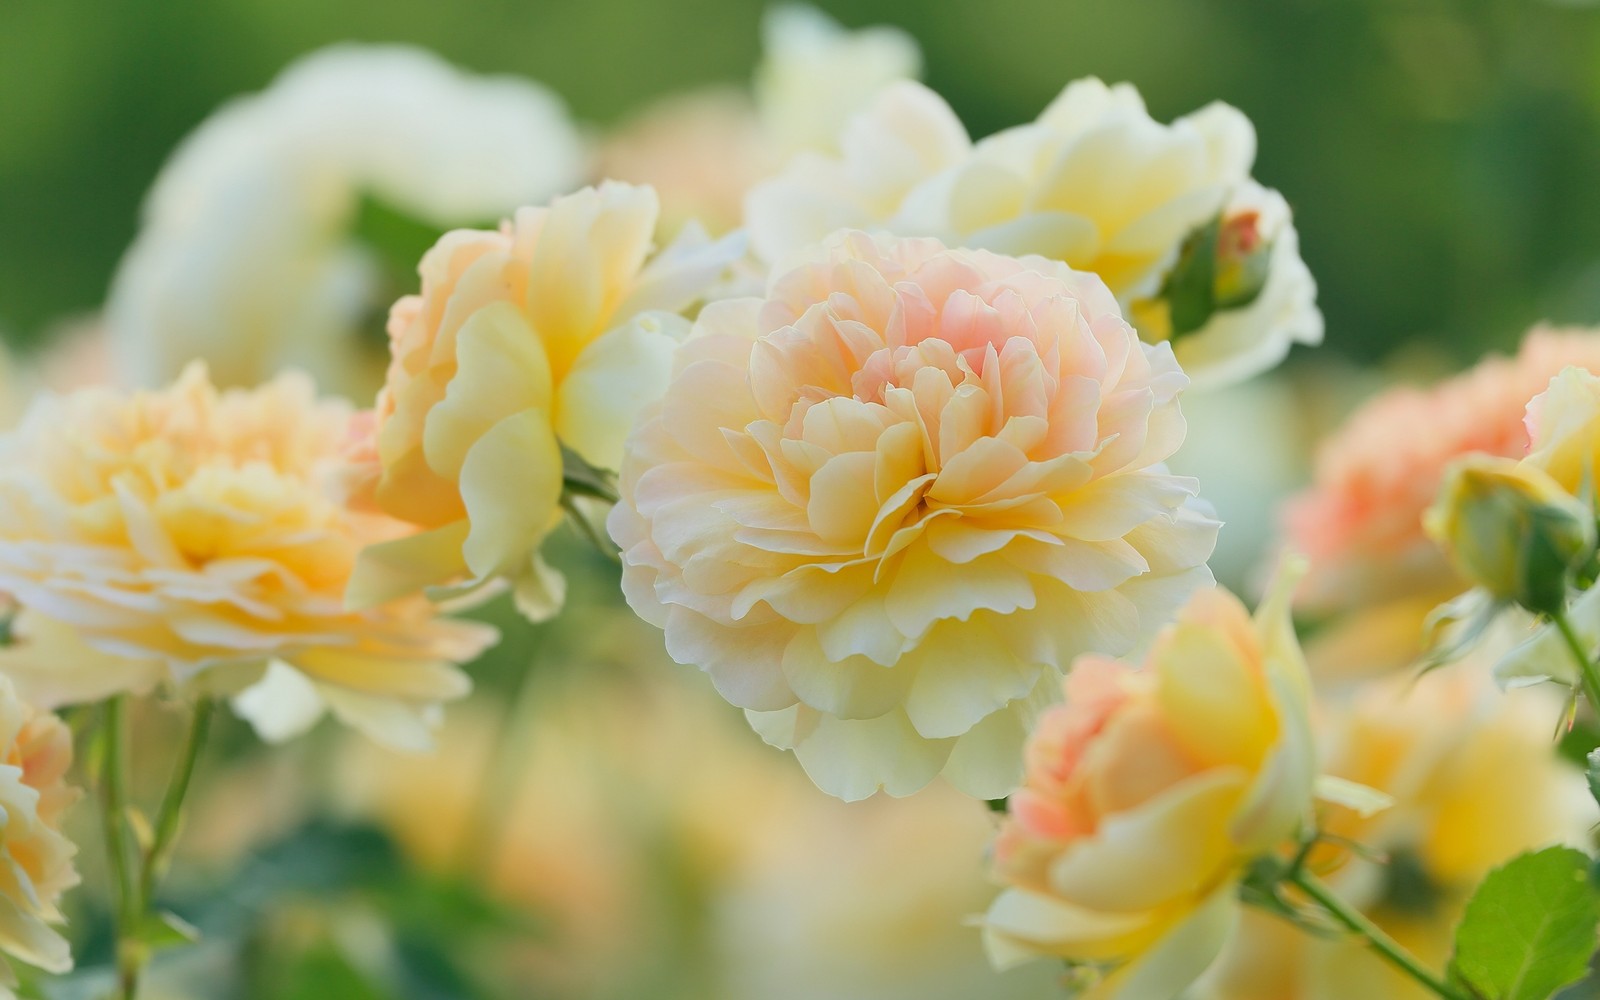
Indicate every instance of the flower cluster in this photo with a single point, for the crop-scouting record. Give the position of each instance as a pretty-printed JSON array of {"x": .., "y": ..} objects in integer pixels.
[{"x": 886, "y": 459}]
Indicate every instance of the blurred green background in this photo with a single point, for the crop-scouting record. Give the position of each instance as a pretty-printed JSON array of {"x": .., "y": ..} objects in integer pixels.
[{"x": 1441, "y": 155}]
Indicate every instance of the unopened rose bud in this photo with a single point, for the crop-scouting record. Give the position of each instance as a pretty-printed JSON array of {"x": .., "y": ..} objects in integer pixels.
[{"x": 1512, "y": 530}]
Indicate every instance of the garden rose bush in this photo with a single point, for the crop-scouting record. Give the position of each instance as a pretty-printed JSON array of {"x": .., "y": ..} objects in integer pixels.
[
  {"x": 885, "y": 506},
  {"x": 197, "y": 530},
  {"x": 1148, "y": 792}
]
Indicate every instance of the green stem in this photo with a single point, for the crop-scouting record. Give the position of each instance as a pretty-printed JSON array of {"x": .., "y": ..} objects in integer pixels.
[
  {"x": 159, "y": 856},
  {"x": 119, "y": 850},
  {"x": 135, "y": 875},
  {"x": 1386, "y": 947},
  {"x": 1587, "y": 672}
]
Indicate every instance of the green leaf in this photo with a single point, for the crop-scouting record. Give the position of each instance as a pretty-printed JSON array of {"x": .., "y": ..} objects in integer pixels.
[
  {"x": 1592, "y": 771},
  {"x": 1529, "y": 929}
]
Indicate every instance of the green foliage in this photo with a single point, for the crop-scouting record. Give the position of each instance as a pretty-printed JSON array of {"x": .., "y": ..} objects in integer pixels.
[{"x": 1529, "y": 930}]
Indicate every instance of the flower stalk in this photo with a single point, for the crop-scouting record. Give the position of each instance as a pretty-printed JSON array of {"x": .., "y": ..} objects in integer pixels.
[
  {"x": 137, "y": 874},
  {"x": 1380, "y": 942},
  {"x": 1588, "y": 674}
]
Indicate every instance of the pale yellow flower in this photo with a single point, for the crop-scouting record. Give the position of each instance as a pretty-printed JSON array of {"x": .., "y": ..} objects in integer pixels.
[
  {"x": 1473, "y": 780},
  {"x": 549, "y": 333},
  {"x": 814, "y": 74},
  {"x": 703, "y": 150},
  {"x": 1094, "y": 182},
  {"x": 1149, "y": 791},
  {"x": 35, "y": 753},
  {"x": 247, "y": 256},
  {"x": 187, "y": 532},
  {"x": 884, "y": 507}
]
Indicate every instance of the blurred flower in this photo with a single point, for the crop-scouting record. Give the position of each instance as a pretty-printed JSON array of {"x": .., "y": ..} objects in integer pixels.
[
  {"x": 1149, "y": 791},
  {"x": 1166, "y": 214},
  {"x": 886, "y": 506},
  {"x": 815, "y": 74},
  {"x": 549, "y": 333},
  {"x": 35, "y": 753},
  {"x": 1512, "y": 530},
  {"x": 193, "y": 529},
  {"x": 1473, "y": 779},
  {"x": 1360, "y": 522},
  {"x": 703, "y": 150},
  {"x": 667, "y": 852},
  {"x": 246, "y": 257}
]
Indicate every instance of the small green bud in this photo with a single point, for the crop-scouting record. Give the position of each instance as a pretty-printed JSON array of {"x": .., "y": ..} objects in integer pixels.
[{"x": 1512, "y": 530}]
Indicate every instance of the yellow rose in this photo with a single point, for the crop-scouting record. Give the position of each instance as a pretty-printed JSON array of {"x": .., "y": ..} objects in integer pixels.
[
  {"x": 35, "y": 754},
  {"x": 1094, "y": 182},
  {"x": 548, "y": 333},
  {"x": 1511, "y": 529},
  {"x": 1147, "y": 794},
  {"x": 884, "y": 507},
  {"x": 188, "y": 532},
  {"x": 1473, "y": 780}
]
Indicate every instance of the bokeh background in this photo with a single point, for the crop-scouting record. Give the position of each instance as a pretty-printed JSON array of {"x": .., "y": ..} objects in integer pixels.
[{"x": 595, "y": 825}]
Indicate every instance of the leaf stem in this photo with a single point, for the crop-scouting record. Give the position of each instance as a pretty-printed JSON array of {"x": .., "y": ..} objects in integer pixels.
[
  {"x": 1589, "y": 677},
  {"x": 1386, "y": 947}
]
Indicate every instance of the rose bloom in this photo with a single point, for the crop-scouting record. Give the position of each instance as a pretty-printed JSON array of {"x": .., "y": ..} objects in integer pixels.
[
  {"x": 247, "y": 254},
  {"x": 1473, "y": 781},
  {"x": 1360, "y": 521},
  {"x": 1149, "y": 791},
  {"x": 1095, "y": 182},
  {"x": 550, "y": 332},
  {"x": 35, "y": 753},
  {"x": 884, "y": 507},
  {"x": 187, "y": 532}
]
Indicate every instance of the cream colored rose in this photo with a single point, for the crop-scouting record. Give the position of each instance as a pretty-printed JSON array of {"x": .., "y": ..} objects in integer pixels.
[
  {"x": 35, "y": 753},
  {"x": 884, "y": 507},
  {"x": 246, "y": 255},
  {"x": 1149, "y": 791},
  {"x": 549, "y": 333},
  {"x": 1094, "y": 182},
  {"x": 188, "y": 532}
]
